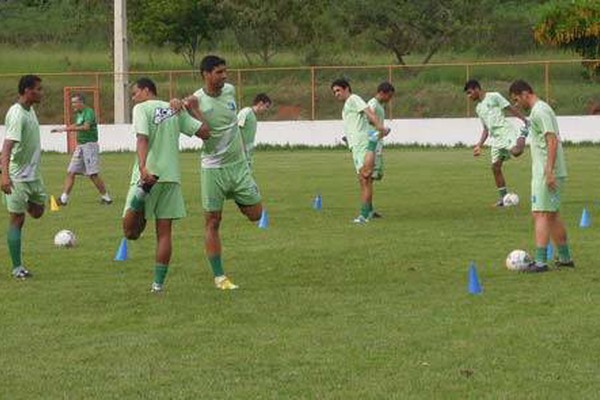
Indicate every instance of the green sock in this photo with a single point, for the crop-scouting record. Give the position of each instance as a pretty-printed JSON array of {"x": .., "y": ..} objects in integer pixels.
[
  {"x": 564, "y": 253},
  {"x": 503, "y": 191},
  {"x": 541, "y": 255},
  {"x": 365, "y": 209},
  {"x": 160, "y": 273},
  {"x": 217, "y": 265},
  {"x": 14, "y": 245}
]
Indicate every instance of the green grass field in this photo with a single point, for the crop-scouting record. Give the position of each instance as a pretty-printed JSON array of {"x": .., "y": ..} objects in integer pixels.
[{"x": 326, "y": 309}]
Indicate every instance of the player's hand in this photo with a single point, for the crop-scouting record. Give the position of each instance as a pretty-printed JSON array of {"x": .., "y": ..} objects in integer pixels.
[
  {"x": 6, "y": 185},
  {"x": 550, "y": 180},
  {"x": 176, "y": 104},
  {"x": 204, "y": 132},
  {"x": 384, "y": 131},
  {"x": 147, "y": 177},
  {"x": 476, "y": 151},
  {"x": 191, "y": 103}
]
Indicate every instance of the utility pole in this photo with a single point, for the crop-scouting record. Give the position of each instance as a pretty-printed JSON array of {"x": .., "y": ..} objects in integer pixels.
[{"x": 121, "y": 66}]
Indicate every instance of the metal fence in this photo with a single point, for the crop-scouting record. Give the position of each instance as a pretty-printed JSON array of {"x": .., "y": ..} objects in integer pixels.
[{"x": 303, "y": 93}]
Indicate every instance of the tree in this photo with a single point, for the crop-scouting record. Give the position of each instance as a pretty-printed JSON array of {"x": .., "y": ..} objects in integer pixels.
[
  {"x": 184, "y": 25},
  {"x": 573, "y": 26},
  {"x": 405, "y": 26}
]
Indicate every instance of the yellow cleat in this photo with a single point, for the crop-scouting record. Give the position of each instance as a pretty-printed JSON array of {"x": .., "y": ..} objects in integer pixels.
[{"x": 223, "y": 283}]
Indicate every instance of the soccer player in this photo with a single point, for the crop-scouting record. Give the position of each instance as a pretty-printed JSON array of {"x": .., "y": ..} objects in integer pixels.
[
  {"x": 548, "y": 174},
  {"x": 155, "y": 189},
  {"x": 247, "y": 123},
  {"x": 506, "y": 139},
  {"x": 225, "y": 173},
  {"x": 385, "y": 92},
  {"x": 362, "y": 141},
  {"x": 86, "y": 157},
  {"x": 21, "y": 178}
]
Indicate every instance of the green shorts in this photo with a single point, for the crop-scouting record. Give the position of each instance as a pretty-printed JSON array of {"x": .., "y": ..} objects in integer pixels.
[
  {"x": 24, "y": 193},
  {"x": 165, "y": 201},
  {"x": 358, "y": 155},
  {"x": 508, "y": 140},
  {"x": 229, "y": 182},
  {"x": 542, "y": 199}
]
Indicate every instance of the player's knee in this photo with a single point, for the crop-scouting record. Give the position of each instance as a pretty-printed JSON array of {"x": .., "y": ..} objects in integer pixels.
[{"x": 35, "y": 210}]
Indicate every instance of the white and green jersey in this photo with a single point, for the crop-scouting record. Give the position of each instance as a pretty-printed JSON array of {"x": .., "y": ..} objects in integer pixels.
[
  {"x": 356, "y": 124},
  {"x": 543, "y": 120},
  {"x": 490, "y": 111},
  {"x": 224, "y": 147},
  {"x": 248, "y": 124},
  {"x": 162, "y": 125},
  {"x": 23, "y": 128}
]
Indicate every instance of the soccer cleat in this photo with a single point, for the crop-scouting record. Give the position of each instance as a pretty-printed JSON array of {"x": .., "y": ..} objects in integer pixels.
[
  {"x": 60, "y": 202},
  {"x": 499, "y": 203},
  {"x": 157, "y": 288},
  {"x": 105, "y": 201},
  {"x": 22, "y": 273},
  {"x": 535, "y": 267},
  {"x": 375, "y": 214},
  {"x": 223, "y": 283},
  {"x": 564, "y": 264},
  {"x": 360, "y": 220}
]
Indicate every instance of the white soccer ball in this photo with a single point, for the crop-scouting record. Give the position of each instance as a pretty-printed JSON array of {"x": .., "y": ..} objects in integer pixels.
[
  {"x": 518, "y": 260},
  {"x": 510, "y": 199},
  {"x": 64, "y": 238}
]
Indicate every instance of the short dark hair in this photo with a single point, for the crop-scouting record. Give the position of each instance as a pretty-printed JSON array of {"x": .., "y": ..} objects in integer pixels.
[
  {"x": 209, "y": 63},
  {"x": 472, "y": 84},
  {"x": 341, "y": 82},
  {"x": 28, "y": 82},
  {"x": 385, "y": 87},
  {"x": 146, "y": 83},
  {"x": 520, "y": 86},
  {"x": 261, "y": 97}
]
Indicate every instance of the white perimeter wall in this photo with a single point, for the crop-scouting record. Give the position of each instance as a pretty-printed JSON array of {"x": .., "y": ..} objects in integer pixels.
[{"x": 437, "y": 131}]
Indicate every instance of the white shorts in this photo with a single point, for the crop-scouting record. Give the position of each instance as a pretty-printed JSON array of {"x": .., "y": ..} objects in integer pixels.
[{"x": 85, "y": 159}]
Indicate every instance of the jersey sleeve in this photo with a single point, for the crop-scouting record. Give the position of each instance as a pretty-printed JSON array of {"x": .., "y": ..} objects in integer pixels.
[
  {"x": 501, "y": 101},
  {"x": 242, "y": 115},
  {"x": 89, "y": 116},
  {"x": 358, "y": 104},
  {"x": 187, "y": 124},
  {"x": 545, "y": 122},
  {"x": 140, "y": 121},
  {"x": 14, "y": 126}
]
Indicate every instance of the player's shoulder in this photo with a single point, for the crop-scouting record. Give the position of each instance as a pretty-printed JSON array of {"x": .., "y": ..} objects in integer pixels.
[
  {"x": 245, "y": 111},
  {"x": 373, "y": 102},
  {"x": 15, "y": 110}
]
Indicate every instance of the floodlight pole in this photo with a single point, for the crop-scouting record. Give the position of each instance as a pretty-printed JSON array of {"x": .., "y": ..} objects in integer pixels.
[{"x": 121, "y": 66}]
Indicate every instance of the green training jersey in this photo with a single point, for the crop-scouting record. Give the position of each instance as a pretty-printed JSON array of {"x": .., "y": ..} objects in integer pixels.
[
  {"x": 162, "y": 125},
  {"x": 23, "y": 128},
  {"x": 247, "y": 123},
  {"x": 224, "y": 147},
  {"x": 543, "y": 120},
  {"x": 490, "y": 111},
  {"x": 379, "y": 111},
  {"x": 81, "y": 117},
  {"x": 356, "y": 124}
]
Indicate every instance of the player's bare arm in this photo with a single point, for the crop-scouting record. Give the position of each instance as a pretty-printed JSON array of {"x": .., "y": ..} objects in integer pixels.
[
  {"x": 479, "y": 145},
  {"x": 4, "y": 160},
  {"x": 372, "y": 117},
  {"x": 552, "y": 146},
  {"x": 142, "y": 152}
]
